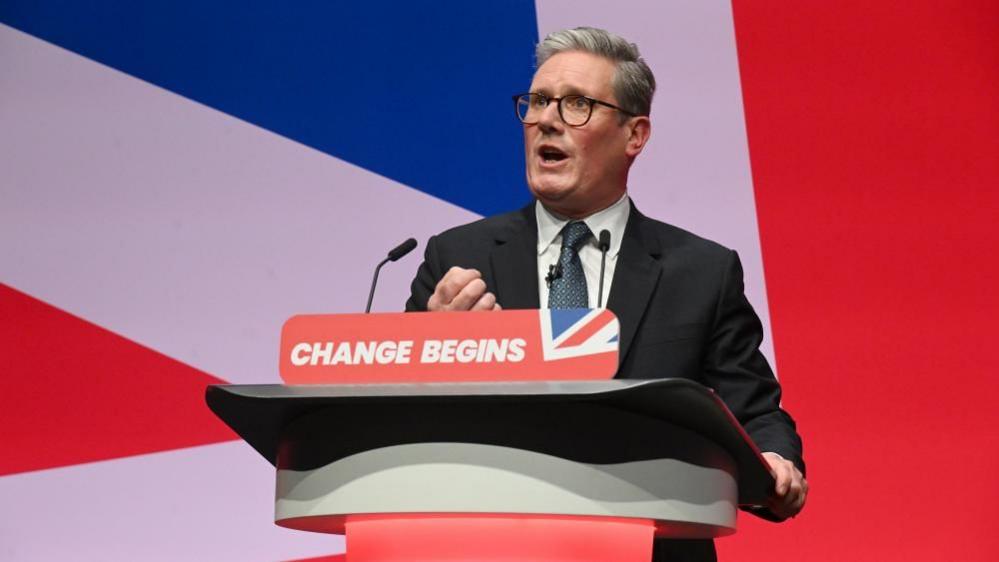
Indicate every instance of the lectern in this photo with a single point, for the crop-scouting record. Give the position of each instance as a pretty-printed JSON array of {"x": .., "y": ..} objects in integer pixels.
[{"x": 579, "y": 470}]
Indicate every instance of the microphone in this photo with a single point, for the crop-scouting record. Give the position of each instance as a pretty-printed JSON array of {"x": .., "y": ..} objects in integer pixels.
[
  {"x": 604, "y": 243},
  {"x": 394, "y": 255},
  {"x": 401, "y": 250},
  {"x": 554, "y": 272}
]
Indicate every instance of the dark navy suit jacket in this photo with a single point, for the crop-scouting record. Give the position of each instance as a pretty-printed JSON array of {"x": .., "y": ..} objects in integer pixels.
[{"x": 682, "y": 309}]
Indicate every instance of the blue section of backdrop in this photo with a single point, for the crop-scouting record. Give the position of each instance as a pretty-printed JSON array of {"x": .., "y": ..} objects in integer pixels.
[{"x": 415, "y": 91}]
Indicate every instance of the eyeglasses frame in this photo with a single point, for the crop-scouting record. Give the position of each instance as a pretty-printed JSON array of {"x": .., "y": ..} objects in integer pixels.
[{"x": 558, "y": 101}]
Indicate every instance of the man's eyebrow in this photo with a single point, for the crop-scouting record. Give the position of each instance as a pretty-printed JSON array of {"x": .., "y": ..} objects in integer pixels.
[{"x": 567, "y": 91}]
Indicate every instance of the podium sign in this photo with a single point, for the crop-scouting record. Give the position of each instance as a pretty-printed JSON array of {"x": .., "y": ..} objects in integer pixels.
[{"x": 513, "y": 345}]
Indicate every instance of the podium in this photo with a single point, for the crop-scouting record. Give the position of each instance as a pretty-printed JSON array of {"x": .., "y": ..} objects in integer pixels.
[{"x": 580, "y": 470}]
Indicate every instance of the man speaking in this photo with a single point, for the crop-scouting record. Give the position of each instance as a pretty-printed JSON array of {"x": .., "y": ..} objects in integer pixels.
[{"x": 679, "y": 298}]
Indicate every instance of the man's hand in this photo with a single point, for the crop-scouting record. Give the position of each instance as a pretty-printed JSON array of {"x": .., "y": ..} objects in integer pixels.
[
  {"x": 462, "y": 289},
  {"x": 791, "y": 488}
]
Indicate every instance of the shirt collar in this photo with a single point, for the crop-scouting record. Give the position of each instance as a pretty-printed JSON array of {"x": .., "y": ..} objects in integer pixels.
[{"x": 613, "y": 219}]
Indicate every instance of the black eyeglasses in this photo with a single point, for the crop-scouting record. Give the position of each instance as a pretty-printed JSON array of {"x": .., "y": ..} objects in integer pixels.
[{"x": 574, "y": 110}]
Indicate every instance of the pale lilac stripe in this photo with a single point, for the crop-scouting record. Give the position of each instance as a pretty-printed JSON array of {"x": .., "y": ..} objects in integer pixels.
[
  {"x": 205, "y": 503},
  {"x": 180, "y": 227},
  {"x": 695, "y": 172}
]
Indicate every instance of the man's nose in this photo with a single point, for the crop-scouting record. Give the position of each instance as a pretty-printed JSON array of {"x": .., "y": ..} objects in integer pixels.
[{"x": 550, "y": 120}]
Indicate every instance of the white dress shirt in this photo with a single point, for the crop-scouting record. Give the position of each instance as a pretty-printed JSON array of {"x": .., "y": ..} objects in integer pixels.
[{"x": 613, "y": 219}]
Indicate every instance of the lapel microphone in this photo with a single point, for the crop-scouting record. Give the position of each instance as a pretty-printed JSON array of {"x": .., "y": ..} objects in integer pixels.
[{"x": 554, "y": 272}]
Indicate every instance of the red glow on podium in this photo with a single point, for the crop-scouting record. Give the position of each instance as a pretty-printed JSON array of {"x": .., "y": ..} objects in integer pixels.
[{"x": 497, "y": 538}]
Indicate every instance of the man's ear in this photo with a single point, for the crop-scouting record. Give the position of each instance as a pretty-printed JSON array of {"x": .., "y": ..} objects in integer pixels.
[{"x": 639, "y": 131}]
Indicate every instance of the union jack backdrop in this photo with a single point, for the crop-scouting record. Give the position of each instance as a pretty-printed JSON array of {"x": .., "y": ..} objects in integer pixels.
[{"x": 178, "y": 178}]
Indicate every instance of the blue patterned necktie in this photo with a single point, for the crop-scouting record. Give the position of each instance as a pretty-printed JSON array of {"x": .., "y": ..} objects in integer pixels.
[{"x": 568, "y": 290}]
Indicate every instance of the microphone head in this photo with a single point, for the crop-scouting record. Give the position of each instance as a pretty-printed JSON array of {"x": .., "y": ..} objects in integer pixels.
[
  {"x": 402, "y": 249},
  {"x": 604, "y": 240}
]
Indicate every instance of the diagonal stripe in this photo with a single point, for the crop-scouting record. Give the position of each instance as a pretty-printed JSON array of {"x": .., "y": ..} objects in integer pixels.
[
  {"x": 76, "y": 393},
  {"x": 373, "y": 83},
  {"x": 182, "y": 228}
]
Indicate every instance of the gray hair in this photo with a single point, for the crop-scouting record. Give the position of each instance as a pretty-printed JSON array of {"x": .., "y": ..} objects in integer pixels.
[{"x": 633, "y": 82}]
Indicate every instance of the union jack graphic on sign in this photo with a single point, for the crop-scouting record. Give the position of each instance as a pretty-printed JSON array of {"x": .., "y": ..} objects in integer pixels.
[{"x": 577, "y": 332}]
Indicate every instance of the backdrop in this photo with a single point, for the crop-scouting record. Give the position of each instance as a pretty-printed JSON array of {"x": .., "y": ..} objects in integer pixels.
[{"x": 178, "y": 178}]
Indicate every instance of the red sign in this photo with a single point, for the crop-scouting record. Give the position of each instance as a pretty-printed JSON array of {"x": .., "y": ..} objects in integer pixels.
[{"x": 576, "y": 344}]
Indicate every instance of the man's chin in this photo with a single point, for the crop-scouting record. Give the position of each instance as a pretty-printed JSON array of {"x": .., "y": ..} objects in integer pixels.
[
  {"x": 551, "y": 191},
  {"x": 559, "y": 201}
]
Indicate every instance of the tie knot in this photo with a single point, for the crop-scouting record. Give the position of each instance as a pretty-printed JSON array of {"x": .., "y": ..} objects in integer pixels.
[{"x": 575, "y": 234}]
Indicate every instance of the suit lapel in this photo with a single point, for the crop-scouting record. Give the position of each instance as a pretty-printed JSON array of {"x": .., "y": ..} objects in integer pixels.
[
  {"x": 635, "y": 278},
  {"x": 514, "y": 262}
]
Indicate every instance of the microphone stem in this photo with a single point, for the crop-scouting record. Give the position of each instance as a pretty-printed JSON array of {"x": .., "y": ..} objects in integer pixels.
[
  {"x": 374, "y": 281},
  {"x": 603, "y": 264}
]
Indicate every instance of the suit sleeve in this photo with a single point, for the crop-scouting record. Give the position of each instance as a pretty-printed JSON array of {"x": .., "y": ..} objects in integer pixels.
[
  {"x": 427, "y": 276},
  {"x": 740, "y": 374}
]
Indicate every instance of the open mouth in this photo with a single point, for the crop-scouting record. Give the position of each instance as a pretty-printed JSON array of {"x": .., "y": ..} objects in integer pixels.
[{"x": 551, "y": 155}]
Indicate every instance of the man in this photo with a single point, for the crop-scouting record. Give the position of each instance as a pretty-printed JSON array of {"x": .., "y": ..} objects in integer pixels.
[{"x": 679, "y": 298}]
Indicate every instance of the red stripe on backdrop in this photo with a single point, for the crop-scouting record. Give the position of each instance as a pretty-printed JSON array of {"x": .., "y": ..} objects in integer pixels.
[
  {"x": 74, "y": 392},
  {"x": 874, "y": 142}
]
